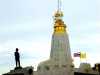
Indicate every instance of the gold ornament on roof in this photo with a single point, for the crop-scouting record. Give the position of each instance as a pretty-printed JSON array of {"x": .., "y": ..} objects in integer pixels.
[{"x": 59, "y": 14}]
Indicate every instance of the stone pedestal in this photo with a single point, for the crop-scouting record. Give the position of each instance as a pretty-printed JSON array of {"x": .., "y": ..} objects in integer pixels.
[
  {"x": 16, "y": 68},
  {"x": 21, "y": 71}
]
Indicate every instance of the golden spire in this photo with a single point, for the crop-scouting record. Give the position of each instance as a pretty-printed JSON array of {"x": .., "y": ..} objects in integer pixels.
[
  {"x": 58, "y": 13},
  {"x": 59, "y": 26}
]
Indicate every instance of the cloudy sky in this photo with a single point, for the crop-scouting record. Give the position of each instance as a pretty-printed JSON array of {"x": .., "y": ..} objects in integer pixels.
[{"x": 28, "y": 25}]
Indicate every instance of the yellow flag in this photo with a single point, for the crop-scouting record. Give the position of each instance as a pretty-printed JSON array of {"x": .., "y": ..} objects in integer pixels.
[{"x": 82, "y": 55}]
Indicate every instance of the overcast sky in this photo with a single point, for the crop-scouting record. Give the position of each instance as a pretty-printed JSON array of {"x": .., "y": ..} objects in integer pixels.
[{"x": 28, "y": 25}]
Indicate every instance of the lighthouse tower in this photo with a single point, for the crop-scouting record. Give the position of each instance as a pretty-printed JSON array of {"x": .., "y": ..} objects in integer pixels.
[{"x": 60, "y": 61}]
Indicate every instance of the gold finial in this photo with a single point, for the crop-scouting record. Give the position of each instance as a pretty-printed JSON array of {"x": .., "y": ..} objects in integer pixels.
[
  {"x": 59, "y": 26},
  {"x": 58, "y": 13},
  {"x": 59, "y": 5}
]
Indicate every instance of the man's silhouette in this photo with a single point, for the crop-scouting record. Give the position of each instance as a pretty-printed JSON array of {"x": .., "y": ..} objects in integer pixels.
[{"x": 17, "y": 58}]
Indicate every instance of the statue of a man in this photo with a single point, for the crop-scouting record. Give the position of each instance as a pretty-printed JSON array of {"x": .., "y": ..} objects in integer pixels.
[{"x": 17, "y": 58}]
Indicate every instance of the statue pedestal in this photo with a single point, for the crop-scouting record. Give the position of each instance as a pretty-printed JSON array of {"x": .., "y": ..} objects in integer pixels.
[
  {"x": 16, "y": 68},
  {"x": 21, "y": 71}
]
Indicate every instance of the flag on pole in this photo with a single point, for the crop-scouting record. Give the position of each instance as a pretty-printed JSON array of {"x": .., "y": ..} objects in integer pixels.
[
  {"x": 77, "y": 54},
  {"x": 80, "y": 54}
]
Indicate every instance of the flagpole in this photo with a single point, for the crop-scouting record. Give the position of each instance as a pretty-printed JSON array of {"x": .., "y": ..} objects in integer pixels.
[
  {"x": 86, "y": 57},
  {"x": 78, "y": 54},
  {"x": 80, "y": 57},
  {"x": 83, "y": 56}
]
